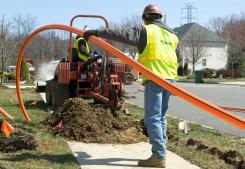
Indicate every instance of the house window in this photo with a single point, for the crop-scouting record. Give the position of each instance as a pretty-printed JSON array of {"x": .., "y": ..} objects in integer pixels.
[{"x": 204, "y": 62}]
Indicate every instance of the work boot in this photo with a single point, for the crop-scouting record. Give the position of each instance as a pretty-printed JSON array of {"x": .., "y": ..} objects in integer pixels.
[{"x": 152, "y": 162}]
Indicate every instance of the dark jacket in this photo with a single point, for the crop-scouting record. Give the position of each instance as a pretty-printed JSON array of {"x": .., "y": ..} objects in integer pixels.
[{"x": 135, "y": 36}]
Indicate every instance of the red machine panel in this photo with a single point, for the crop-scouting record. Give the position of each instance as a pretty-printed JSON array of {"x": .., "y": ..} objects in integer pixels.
[
  {"x": 120, "y": 71},
  {"x": 64, "y": 73}
]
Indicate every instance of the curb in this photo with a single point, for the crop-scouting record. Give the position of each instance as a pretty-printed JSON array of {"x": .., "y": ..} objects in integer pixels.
[{"x": 221, "y": 83}]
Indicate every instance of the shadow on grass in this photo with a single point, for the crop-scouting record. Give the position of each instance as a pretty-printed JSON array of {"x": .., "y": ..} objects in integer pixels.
[
  {"x": 54, "y": 158},
  {"x": 39, "y": 105}
]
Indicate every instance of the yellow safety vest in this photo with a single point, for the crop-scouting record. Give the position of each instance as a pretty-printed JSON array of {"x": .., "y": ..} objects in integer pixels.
[
  {"x": 80, "y": 55},
  {"x": 159, "y": 54}
]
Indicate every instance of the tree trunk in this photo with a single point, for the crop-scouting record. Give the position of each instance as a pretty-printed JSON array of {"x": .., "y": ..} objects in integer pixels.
[
  {"x": 193, "y": 68},
  {"x": 2, "y": 76},
  {"x": 232, "y": 67}
]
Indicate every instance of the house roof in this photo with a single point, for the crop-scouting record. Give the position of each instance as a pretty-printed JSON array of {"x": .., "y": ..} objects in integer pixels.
[{"x": 184, "y": 32}]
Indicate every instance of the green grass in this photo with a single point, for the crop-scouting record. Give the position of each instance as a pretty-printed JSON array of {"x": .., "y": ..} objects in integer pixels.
[
  {"x": 209, "y": 137},
  {"x": 52, "y": 152}
]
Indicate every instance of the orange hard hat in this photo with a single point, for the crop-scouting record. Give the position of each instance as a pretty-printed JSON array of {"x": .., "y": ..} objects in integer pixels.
[{"x": 152, "y": 9}]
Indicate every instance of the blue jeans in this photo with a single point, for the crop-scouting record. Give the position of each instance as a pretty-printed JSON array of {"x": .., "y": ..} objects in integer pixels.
[{"x": 156, "y": 105}]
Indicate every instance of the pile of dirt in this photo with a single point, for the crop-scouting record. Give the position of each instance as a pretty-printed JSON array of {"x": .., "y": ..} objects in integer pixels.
[
  {"x": 78, "y": 120},
  {"x": 232, "y": 157},
  {"x": 22, "y": 138}
]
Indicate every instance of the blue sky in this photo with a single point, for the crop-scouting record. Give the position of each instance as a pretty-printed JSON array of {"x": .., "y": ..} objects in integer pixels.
[{"x": 60, "y": 11}]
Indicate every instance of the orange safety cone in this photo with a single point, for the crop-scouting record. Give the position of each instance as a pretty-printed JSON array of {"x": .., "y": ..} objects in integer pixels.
[
  {"x": 7, "y": 128},
  {"x": 58, "y": 125}
]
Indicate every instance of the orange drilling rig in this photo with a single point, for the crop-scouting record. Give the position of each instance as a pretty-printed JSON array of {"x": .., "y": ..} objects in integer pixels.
[{"x": 91, "y": 79}]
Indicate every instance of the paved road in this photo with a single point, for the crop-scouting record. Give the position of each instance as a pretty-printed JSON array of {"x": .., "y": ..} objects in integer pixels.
[{"x": 222, "y": 95}]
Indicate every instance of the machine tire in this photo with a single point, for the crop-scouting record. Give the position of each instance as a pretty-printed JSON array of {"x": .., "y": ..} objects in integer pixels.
[
  {"x": 128, "y": 68},
  {"x": 56, "y": 93},
  {"x": 59, "y": 94},
  {"x": 129, "y": 78},
  {"x": 114, "y": 98},
  {"x": 48, "y": 93}
]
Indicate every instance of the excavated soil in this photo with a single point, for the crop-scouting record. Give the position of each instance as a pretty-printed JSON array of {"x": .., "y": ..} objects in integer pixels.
[
  {"x": 22, "y": 138},
  {"x": 78, "y": 120},
  {"x": 231, "y": 157}
]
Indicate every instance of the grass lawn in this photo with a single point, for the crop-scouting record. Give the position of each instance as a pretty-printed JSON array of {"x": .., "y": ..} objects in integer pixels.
[
  {"x": 209, "y": 137},
  {"x": 52, "y": 152}
]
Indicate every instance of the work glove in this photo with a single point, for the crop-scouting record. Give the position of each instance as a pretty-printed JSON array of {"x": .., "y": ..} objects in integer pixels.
[{"x": 89, "y": 33}]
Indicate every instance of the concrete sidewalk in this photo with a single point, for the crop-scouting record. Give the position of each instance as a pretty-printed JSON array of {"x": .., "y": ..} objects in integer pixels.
[
  {"x": 22, "y": 87},
  {"x": 109, "y": 156}
]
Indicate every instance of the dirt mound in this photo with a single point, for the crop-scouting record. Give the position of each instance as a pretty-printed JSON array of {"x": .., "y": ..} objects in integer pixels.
[
  {"x": 215, "y": 151},
  {"x": 21, "y": 139},
  {"x": 232, "y": 157},
  {"x": 201, "y": 147},
  {"x": 78, "y": 120}
]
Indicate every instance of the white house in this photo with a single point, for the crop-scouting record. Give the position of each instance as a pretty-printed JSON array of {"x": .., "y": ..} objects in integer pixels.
[{"x": 215, "y": 55}]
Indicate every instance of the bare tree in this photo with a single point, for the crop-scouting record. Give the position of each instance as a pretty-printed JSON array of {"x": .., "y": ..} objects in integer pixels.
[
  {"x": 44, "y": 47},
  {"x": 217, "y": 25},
  {"x": 6, "y": 45},
  {"x": 28, "y": 24},
  {"x": 234, "y": 34},
  {"x": 132, "y": 21},
  {"x": 48, "y": 46},
  {"x": 232, "y": 29},
  {"x": 22, "y": 27},
  {"x": 195, "y": 47}
]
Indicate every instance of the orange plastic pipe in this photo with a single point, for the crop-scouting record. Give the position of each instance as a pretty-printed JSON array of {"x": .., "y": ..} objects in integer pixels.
[
  {"x": 209, "y": 107},
  {"x": 241, "y": 110},
  {"x": 3, "y": 112}
]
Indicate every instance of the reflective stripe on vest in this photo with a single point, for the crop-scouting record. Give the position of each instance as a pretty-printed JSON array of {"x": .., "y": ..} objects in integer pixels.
[
  {"x": 161, "y": 47},
  {"x": 80, "y": 55}
]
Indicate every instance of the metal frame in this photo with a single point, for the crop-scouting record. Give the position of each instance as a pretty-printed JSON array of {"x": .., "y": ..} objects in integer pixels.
[{"x": 85, "y": 16}]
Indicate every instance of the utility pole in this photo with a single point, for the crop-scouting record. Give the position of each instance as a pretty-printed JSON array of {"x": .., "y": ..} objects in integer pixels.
[{"x": 189, "y": 15}]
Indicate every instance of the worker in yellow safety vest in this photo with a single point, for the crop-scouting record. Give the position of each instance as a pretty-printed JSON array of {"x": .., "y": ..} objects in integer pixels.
[
  {"x": 81, "y": 52},
  {"x": 156, "y": 44}
]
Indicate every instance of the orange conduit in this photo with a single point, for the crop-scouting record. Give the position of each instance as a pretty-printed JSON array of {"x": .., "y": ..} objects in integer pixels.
[
  {"x": 241, "y": 110},
  {"x": 3, "y": 112},
  {"x": 209, "y": 107}
]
